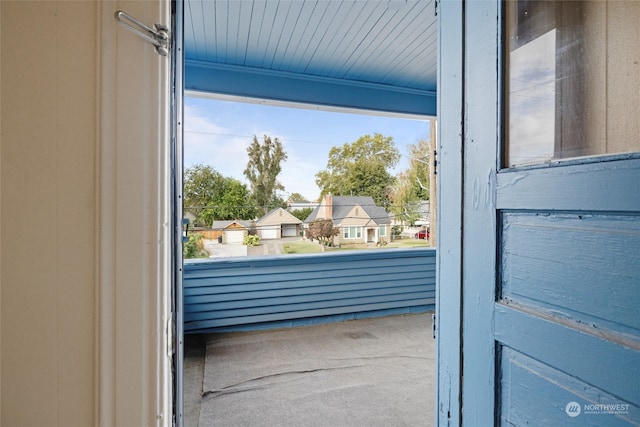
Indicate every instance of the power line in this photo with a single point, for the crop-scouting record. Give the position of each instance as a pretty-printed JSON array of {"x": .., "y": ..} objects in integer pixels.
[
  {"x": 251, "y": 137},
  {"x": 398, "y": 205}
]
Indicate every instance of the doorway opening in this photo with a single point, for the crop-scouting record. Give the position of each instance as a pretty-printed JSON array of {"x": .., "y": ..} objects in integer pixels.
[
  {"x": 374, "y": 56},
  {"x": 217, "y": 136}
]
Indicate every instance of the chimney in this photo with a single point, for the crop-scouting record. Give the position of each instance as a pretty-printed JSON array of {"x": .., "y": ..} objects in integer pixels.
[{"x": 328, "y": 206}]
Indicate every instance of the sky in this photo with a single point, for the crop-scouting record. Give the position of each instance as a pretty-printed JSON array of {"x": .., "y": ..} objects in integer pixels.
[{"x": 217, "y": 133}]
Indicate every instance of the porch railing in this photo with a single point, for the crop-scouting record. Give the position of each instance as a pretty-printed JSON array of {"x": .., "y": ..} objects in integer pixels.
[{"x": 284, "y": 291}]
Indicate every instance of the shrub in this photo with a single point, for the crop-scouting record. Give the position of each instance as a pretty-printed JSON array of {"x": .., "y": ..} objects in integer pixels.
[
  {"x": 251, "y": 240},
  {"x": 194, "y": 247},
  {"x": 396, "y": 230}
]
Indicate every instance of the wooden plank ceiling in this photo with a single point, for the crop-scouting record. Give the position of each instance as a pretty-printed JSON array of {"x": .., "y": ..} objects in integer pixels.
[{"x": 357, "y": 47}]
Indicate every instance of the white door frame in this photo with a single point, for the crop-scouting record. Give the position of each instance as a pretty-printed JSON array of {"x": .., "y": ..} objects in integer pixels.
[{"x": 134, "y": 273}]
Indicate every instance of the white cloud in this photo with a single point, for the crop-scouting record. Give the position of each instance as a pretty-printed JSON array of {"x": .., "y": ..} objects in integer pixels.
[
  {"x": 225, "y": 149},
  {"x": 211, "y": 144}
]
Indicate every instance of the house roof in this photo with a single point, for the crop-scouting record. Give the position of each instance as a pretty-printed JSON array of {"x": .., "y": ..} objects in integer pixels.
[
  {"x": 279, "y": 216},
  {"x": 343, "y": 205},
  {"x": 221, "y": 225}
]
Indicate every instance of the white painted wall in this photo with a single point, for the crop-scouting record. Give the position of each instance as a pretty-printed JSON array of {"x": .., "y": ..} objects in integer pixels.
[{"x": 84, "y": 217}]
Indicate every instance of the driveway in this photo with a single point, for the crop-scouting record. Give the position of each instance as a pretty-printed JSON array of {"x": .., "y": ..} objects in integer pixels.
[
  {"x": 265, "y": 248},
  {"x": 222, "y": 250},
  {"x": 271, "y": 246}
]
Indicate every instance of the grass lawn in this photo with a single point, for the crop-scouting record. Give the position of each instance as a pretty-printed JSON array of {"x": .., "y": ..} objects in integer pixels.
[
  {"x": 306, "y": 247},
  {"x": 404, "y": 243},
  {"x": 301, "y": 247},
  {"x": 408, "y": 243}
]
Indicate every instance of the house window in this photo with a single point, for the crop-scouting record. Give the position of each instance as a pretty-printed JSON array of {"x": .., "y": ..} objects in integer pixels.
[
  {"x": 569, "y": 89},
  {"x": 352, "y": 232},
  {"x": 383, "y": 231}
]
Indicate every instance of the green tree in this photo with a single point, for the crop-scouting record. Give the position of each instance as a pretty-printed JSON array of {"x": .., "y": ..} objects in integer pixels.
[
  {"x": 412, "y": 184},
  {"x": 419, "y": 169},
  {"x": 297, "y": 197},
  {"x": 263, "y": 168},
  {"x": 277, "y": 201},
  {"x": 360, "y": 169},
  {"x": 302, "y": 214},
  {"x": 235, "y": 202},
  {"x": 211, "y": 196}
]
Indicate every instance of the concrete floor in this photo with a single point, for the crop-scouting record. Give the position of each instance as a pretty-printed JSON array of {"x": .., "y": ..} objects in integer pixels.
[{"x": 372, "y": 372}]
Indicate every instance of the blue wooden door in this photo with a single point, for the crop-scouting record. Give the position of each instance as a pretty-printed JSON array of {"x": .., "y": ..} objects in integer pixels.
[{"x": 550, "y": 224}]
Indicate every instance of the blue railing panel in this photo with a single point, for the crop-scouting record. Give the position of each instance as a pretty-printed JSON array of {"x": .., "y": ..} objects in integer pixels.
[{"x": 262, "y": 292}]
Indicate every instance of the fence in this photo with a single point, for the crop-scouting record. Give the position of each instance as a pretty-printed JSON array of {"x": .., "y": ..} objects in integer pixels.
[{"x": 207, "y": 233}]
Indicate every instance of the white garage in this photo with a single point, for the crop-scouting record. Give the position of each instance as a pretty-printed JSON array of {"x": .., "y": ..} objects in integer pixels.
[
  {"x": 289, "y": 230},
  {"x": 278, "y": 223},
  {"x": 269, "y": 233},
  {"x": 235, "y": 236}
]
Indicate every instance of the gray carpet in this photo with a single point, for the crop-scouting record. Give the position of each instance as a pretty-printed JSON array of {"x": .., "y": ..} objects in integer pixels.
[{"x": 373, "y": 372}]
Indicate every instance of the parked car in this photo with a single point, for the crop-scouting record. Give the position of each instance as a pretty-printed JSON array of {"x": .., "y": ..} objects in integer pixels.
[{"x": 422, "y": 234}]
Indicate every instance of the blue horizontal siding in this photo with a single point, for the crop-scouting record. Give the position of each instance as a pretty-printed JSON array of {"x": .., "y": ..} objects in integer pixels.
[{"x": 261, "y": 292}]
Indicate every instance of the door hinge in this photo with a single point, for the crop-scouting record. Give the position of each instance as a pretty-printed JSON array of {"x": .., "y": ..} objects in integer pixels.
[
  {"x": 433, "y": 325},
  {"x": 185, "y": 230},
  {"x": 158, "y": 36},
  {"x": 435, "y": 162}
]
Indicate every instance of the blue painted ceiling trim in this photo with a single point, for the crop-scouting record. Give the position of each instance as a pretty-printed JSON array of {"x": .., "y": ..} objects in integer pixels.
[{"x": 306, "y": 89}]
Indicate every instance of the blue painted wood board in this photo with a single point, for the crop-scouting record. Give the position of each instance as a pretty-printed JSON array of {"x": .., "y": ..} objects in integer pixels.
[
  {"x": 236, "y": 272},
  {"x": 281, "y": 304},
  {"x": 531, "y": 390},
  {"x": 578, "y": 353},
  {"x": 217, "y": 288},
  {"x": 480, "y": 154},
  {"x": 449, "y": 289},
  {"x": 297, "y": 296},
  {"x": 211, "y": 324},
  {"x": 257, "y": 290},
  {"x": 308, "y": 321},
  {"x": 595, "y": 257},
  {"x": 305, "y": 89},
  {"x": 586, "y": 186}
]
